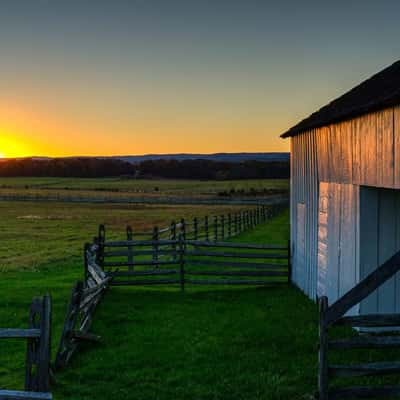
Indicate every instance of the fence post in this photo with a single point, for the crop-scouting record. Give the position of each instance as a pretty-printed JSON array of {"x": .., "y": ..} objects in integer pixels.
[
  {"x": 129, "y": 238},
  {"x": 206, "y": 228},
  {"x": 247, "y": 219},
  {"x": 195, "y": 228},
  {"x": 182, "y": 261},
  {"x": 155, "y": 246},
  {"x": 173, "y": 238},
  {"x": 258, "y": 215},
  {"x": 229, "y": 225},
  {"x": 323, "y": 348},
  {"x": 101, "y": 241},
  {"x": 215, "y": 228},
  {"x": 222, "y": 227}
]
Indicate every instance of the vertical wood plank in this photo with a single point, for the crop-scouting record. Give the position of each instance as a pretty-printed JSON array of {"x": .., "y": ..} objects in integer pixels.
[
  {"x": 396, "y": 133},
  {"x": 385, "y": 148},
  {"x": 368, "y": 150}
]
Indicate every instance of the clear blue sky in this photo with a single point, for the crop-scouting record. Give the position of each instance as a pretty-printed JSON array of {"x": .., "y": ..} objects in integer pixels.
[{"x": 152, "y": 76}]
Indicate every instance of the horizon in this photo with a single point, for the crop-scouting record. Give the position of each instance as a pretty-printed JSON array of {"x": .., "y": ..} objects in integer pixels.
[
  {"x": 149, "y": 155},
  {"x": 145, "y": 77}
]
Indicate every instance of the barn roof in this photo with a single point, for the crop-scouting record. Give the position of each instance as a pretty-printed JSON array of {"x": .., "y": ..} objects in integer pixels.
[{"x": 378, "y": 92}]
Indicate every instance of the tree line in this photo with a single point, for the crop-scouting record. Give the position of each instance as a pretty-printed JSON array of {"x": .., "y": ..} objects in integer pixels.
[{"x": 150, "y": 169}]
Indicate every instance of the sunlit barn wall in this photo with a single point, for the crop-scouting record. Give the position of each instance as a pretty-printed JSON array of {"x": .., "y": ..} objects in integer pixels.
[{"x": 338, "y": 160}]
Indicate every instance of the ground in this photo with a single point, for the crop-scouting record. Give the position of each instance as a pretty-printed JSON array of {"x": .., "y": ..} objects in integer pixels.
[
  {"x": 158, "y": 343},
  {"x": 207, "y": 343}
]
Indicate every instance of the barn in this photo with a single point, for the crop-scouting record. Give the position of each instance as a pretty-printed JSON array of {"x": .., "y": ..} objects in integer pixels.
[{"x": 345, "y": 192}]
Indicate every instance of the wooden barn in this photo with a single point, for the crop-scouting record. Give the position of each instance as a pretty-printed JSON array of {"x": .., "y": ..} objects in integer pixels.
[{"x": 345, "y": 192}]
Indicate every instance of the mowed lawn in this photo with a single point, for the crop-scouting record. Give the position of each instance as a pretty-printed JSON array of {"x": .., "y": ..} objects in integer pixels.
[{"x": 159, "y": 343}]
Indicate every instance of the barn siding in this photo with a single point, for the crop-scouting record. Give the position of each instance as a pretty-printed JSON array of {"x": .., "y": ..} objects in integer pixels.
[
  {"x": 364, "y": 151},
  {"x": 304, "y": 189}
]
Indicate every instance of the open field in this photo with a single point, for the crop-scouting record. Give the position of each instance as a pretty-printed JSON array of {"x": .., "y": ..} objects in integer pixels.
[
  {"x": 34, "y": 234},
  {"x": 167, "y": 186},
  {"x": 119, "y": 189}
]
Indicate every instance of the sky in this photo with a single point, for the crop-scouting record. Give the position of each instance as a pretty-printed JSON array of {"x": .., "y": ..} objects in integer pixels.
[{"x": 125, "y": 77}]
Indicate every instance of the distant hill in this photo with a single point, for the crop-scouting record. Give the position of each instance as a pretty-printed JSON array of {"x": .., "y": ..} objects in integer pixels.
[{"x": 221, "y": 157}]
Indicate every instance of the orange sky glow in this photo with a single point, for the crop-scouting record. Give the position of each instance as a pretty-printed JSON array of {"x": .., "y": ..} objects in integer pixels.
[{"x": 137, "y": 77}]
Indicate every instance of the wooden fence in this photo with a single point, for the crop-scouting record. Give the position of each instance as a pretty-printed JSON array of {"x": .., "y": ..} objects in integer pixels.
[
  {"x": 186, "y": 255},
  {"x": 334, "y": 315},
  {"x": 183, "y": 262},
  {"x": 84, "y": 300},
  {"x": 216, "y": 228},
  {"x": 37, "y": 364}
]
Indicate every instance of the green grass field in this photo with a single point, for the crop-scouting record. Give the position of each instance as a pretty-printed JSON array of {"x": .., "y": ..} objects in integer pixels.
[
  {"x": 206, "y": 343},
  {"x": 169, "y": 186},
  {"x": 119, "y": 188},
  {"x": 41, "y": 235}
]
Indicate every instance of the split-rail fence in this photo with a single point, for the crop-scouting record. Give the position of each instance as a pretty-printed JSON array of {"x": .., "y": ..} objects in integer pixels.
[
  {"x": 199, "y": 255},
  {"x": 373, "y": 334}
]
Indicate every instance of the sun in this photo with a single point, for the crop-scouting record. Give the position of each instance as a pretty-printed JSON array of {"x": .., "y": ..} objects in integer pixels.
[{"x": 2, "y": 155}]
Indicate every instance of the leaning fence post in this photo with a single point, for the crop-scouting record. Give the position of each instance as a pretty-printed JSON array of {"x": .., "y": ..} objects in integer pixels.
[
  {"x": 323, "y": 348},
  {"x": 222, "y": 227},
  {"x": 155, "y": 246},
  {"x": 215, "y": 228},
  {"x": 206, "y": 227},
  {"x": 129, "y": 238},
  {"x": 195, "y": 229},
  {"x": 182, "y": 261}
]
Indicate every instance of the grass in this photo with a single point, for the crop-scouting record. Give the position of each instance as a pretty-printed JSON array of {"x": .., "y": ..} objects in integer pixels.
[
  {"x": 40, "y": 235},
  {"x": 166, "y": 186},
  {"x": 125, "y": 189},
  {"x": 159, "y": 343}
]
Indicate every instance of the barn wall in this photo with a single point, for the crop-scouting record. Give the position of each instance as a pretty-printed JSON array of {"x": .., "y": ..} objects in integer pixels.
[
  {"x": 364, "y": 151},
  {"x": 304, "y": 212}
]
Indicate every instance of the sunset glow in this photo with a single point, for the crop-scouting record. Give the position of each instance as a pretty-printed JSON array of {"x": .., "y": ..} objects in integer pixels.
[{"x": 135, "y": 77}]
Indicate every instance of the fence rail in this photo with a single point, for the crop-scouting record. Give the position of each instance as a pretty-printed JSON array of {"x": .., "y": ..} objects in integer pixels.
[{"x": 334, "y": 315}]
